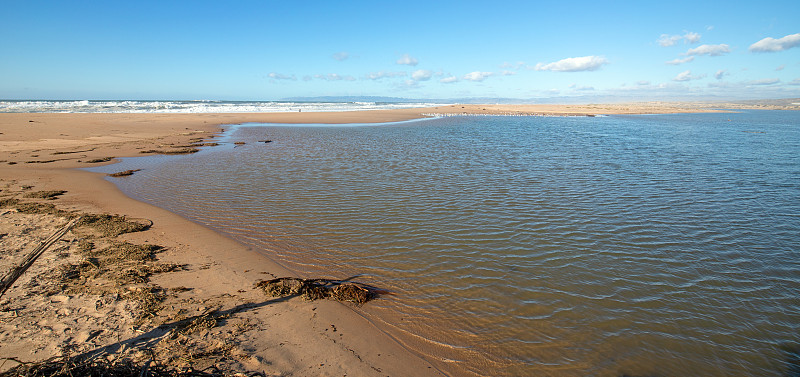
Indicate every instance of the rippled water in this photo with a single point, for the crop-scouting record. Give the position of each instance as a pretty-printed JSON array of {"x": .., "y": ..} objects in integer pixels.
[{"x": 643, "y": 245}]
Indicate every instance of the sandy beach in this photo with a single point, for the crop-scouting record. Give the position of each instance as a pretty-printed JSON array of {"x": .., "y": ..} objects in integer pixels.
[{"x": 171, "y": 290}]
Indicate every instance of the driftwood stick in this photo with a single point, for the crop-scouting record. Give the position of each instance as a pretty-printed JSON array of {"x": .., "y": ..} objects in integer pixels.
[{"x": 9, "y": 279}]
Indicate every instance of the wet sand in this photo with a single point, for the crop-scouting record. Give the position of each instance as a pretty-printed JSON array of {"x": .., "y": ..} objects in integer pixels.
[{"x": 212, "y": 278}]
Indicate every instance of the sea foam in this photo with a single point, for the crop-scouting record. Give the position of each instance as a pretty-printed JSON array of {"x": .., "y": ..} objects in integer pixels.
[{"x": 199, "y": 106}]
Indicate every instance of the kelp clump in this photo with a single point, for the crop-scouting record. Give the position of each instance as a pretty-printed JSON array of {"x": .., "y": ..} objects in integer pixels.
[
  {"x": 113, "y": 225},
  {"x": 315, "y": 289}
]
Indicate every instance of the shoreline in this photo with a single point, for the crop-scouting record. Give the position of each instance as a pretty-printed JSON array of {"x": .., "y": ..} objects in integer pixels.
[
  {"x": 43, "y": 151},
  {"x": 288, "y": 337}
]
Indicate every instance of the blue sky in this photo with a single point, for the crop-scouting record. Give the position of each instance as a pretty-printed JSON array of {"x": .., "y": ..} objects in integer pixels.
[{"x": 262, "y": 50}]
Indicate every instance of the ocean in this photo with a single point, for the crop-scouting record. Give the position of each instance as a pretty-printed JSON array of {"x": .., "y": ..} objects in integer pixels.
[
  {"x": 129, "y": 106},
  {"x": 640, "y": 245}
]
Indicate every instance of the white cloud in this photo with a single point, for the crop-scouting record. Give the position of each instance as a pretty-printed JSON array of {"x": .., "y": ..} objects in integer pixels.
[
  {"x": 422, "y": 75},
  {"x": 774, "y": 45},
  {"x": 680, "y": 61},
  {"x": 341, "y": 56},
  {"x": 409, "y": 84},
  {"x": 691, "y": 37},
  {"x": 686, "y": 76},
  {"x": 667, "y": 40},
  {"x": 508, "y": 73},
  {"x": 449, "y": 80},
  {"x": 335, "y": 77},
  {"x": 516, "y": 65},
  {"x": 643, "y": 83},
  {"x": 384, "y": 74},
  {"x": 794, "y": 82},
  {"x": 583, "y": 63},
  {"x": 581, "y": 88},
  {"x": 780, "y": 67},
  {"x": 763, "y": 82},
  {"x": 721, "y": 73},
  {"x": 710, "y": 50},
  {"x": 407, "y": 60},
  {"x": 477, "y": 76},
  {"x": 279, "y": 76}
]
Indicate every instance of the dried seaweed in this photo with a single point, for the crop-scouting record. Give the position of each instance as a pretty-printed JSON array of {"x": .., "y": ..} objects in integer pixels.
[
  {"x": 72, "y": 152},
  {"x": 41, "y": 208},
  {"x": 113, "y": 225},
  {"x": 124, "y": 173},
  {"x": 98, "y": 160},
  {"x": 65, "y": 366},
  {"x": 8, "y": 202},
  {"x": 121, "y": 251},
  {"x": 45, "y": 194},
  {"x": 172, "y": 151},
  {"x": 148, "y": 299},
  {"x": 315, "y": 289}
]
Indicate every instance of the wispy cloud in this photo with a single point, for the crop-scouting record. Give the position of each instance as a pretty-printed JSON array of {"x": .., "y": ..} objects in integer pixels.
[
  {"x": 335, "y": 77},
  {"x": 763, "y": 82},
  {"x": 407, "y": 59},
  {"x": 384, "y": 75},
  {"x": 691, "y": 37},
  {"x": 687, "y": 76},
  {"x": 780, "y": 67},
  {"x": 340, "y": 56},
  {"x": 408, "y": 84},
  {"x": 667, "y": 40},
  {"x": 422, "y": 75},
  {"x": 280, "y": 76},
  {"x": 721, "y": 73},
  {"x": 508, "y": 73},
  {"x": 680, "y": 61},
  {"x": 449, "y": 80},
  {"x": 477, "y": 76},
  {"x": 794, "y": 82},
  {"x": 710, "y": 50},
  {"x": 770, "y": 44},
  {"x": 583, "y": 63},
  {"x": 581, "y": 88},
  {"x": 517, "y": 65}
]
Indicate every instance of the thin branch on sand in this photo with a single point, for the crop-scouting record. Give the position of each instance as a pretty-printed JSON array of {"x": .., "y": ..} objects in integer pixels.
[{"x": 9, "y": 279}]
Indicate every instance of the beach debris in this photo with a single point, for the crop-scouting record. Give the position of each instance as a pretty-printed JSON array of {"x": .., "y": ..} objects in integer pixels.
[
  {"x": 172, "y": 151},
  {"x": 83, "y": 365},
  {"x": 239, "y": 143},
  {"x": 71, "y": 152},
  {"x": 123, "y": 269},
  {"x": 50, "y": 195},
  {"x": 8, "y": 202},
  {"x": 9, "y": 279},
  {"x": 98, "y": 160},
  {"x": 45, "y": 161},
  {"x": 113, "y": 225},
  {"x": 265, "y": 141},
  {"x": 41, "y": 208},
  {"x": 124, "y": 173},
  {"x": 315, "y": 289}
]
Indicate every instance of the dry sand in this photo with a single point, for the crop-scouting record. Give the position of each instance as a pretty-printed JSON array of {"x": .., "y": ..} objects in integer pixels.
[{"x": 192, "y": 301}]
